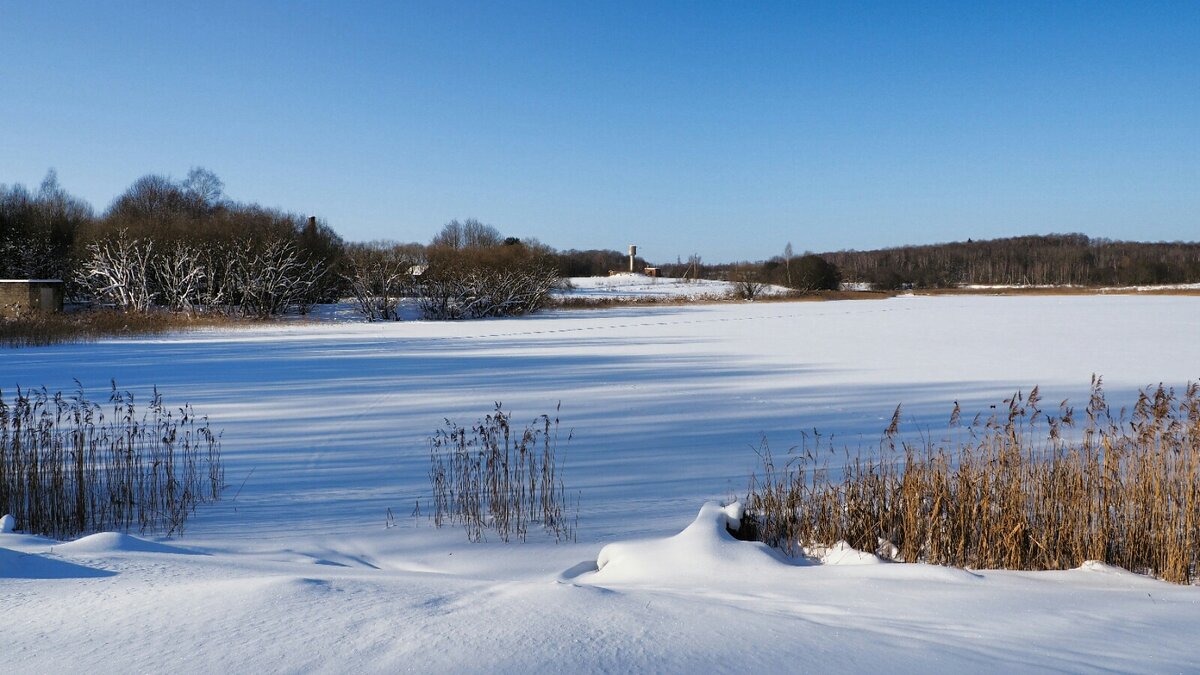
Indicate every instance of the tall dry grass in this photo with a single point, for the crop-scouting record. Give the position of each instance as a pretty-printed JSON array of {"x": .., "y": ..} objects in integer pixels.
[
  {"x": 34, "y": 329},
  {"x": 495, "y": 477},
  {"x": 1021, "y": 490},
  {"x": 67, "y": 468}
]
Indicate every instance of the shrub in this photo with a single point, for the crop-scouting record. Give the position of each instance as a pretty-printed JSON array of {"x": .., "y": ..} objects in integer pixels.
[
  {"x": 747, "y": 283},
  {"x": 814, "y": 273},
  {"x": 476, "y": 292},
  {"x": 378, "y": 275}
]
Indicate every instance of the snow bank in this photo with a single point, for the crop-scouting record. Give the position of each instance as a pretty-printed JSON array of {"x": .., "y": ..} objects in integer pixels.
[
  {"x": 118, "y": 542},
  {"x": 705, "y": 556},
  {"x": 641, "y": 287},
  {"x": 704, "y": 552}
]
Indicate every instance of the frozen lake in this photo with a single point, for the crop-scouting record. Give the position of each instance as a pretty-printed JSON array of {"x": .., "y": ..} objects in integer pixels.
[{"x": 326, "y": 427}]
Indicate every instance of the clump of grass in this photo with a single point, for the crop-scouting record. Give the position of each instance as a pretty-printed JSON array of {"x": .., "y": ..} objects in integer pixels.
[
  {"x": 492, "y": 477},
  {"x": 66, "y": 468},
  {"x": 31, "y": 329},
  {"x": 1019, "y": 490}
]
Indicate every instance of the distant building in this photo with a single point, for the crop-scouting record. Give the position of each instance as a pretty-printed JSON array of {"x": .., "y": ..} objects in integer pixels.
[{"x": 25, "y": 295}]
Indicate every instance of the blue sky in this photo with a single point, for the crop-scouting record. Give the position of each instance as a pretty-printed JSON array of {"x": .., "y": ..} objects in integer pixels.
[{"x": 725, "y": 129}]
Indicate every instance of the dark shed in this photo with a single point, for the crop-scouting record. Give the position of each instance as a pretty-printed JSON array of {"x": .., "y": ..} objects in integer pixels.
[{"x": 23, "y": 295}]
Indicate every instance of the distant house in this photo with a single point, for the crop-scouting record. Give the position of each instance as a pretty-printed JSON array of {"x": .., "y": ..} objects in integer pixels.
[{"x": 24, "y": 295}]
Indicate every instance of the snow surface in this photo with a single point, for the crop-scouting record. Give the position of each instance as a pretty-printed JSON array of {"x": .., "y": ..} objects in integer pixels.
[
  {"x": 641, "y": 287},
  {"x": 1103, "y": 289},
  {"x": 621, "y": 287},
  {"x": 703, "y": 554},
  {"x": 326, "y": 426}
]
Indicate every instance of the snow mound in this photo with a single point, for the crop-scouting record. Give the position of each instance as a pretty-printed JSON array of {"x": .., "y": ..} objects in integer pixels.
[
  {"x": 1100, "y": 567},
  {"x": 118, "y": 542},
  {"x": 8, "y": 523},
  {"x": 704, "y": 552},
  {"x": 842, "y": 553}
]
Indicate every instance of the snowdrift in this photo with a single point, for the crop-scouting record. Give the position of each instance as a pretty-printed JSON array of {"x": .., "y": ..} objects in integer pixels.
[
  {"x": 704, "y": 553},
  {"x": 118, "y": 542},
  {"x": 706, "y": 556}
]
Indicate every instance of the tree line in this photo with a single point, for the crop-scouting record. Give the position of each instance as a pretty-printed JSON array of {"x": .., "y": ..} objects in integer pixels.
[
  {"x": 1035, "y": 260},
  {"x": 177, "y": 244},
  {"x": 804, "y": 273},
  {"x": 1046, "y": 260},
  {"x": 183, "y": 245}
]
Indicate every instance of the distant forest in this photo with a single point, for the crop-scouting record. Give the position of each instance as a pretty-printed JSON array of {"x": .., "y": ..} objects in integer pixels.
[
  {"x": 1036, "y": 260},
  {"x": 1050, "y": 260}
]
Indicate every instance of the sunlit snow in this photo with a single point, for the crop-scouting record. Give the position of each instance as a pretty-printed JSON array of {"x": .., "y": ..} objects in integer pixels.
[{"x": 326, "y": 427}]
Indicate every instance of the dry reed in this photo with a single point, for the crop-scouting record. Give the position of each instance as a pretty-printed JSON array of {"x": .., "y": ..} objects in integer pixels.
[
  {"x": 490, "y": 477},
  {"x": 1020, "y": 490},
  {"x": 66, "y": 468},
  {"x": 45, "y": 328}
]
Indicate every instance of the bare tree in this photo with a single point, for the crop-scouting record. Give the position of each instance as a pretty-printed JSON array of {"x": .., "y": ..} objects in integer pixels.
[
  {"x": 470, "y": 234},
  {"x": 118, "y": 271},
  {"x": 450, "y": 236},
  {"x": 151, "y": 200},
  {"x": 179, "y": 276},
  {"x": 379, "y": 275},
  {"x": 478, "y": 235},
  {"x": 274, "y": 277},
  {"x": 220, "y": 289},
  {"x": 203, "y": 188},
  {"x": 746, "y": 284},
  {"x": 693, "y": 270}
]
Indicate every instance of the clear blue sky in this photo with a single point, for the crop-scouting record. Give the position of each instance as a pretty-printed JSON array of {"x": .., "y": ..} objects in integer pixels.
[{"x": 725, "y": 128}]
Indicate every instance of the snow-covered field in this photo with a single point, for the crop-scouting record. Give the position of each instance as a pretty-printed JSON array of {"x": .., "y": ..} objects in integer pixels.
[
  {"x": 1104, "y": 289},
  {"x": 639, "y": 287},
  {"x": 326, "y": 427}
]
